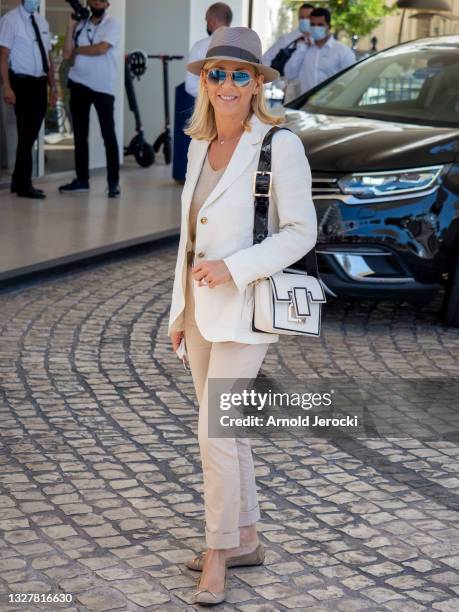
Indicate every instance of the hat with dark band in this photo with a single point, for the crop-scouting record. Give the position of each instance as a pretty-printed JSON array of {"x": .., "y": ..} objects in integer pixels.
[{"x": 242, "y": 45}]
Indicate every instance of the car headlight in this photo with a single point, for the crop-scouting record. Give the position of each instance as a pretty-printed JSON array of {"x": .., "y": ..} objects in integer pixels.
[{"x": 376, "y": 184}]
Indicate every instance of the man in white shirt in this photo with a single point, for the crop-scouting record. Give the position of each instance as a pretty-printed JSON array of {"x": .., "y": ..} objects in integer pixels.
[
  {"x": 217, "y": 15},
  {"x": 300, "y": 33},
  {"x": 288, "y": 43},
  {"x": 26, "y": 68},
  {"x": 93, "y": 44},
  {"x": 316, "y": 62}
]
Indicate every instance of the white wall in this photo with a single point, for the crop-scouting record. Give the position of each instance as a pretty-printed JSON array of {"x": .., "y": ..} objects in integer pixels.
[
  {"x": 97, "y": 158},
  {"x": 264, "y": 20}
]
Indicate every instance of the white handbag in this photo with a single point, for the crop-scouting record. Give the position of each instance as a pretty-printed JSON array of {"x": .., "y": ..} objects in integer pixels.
[{"x": 288, "y": 302}]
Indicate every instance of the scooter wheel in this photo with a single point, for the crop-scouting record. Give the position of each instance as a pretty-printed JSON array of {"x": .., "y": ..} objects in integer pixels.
[{"x": 144, "y": 155}]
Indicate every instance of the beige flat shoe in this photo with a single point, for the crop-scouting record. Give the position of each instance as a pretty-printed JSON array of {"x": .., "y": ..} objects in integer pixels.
[
  {"x": 256, "y": 557},
  {"x": 210, "y": 598}
]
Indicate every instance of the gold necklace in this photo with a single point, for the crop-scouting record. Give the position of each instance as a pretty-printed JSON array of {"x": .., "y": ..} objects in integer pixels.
[{"x": 229, "y": 139}]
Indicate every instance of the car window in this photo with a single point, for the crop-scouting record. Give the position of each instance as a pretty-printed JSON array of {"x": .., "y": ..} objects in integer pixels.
[
  {"x": 418, "y": 84},
  {"x": 397, "y": 81}
]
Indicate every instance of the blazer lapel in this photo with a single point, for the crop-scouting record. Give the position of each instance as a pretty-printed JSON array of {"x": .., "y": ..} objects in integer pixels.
[
  {"x": 195, "y": 168},
  {"x": 241, "y": 158}
]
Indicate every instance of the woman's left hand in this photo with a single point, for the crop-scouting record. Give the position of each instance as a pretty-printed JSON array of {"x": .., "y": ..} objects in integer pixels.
[{"x": 211, "y": 273}]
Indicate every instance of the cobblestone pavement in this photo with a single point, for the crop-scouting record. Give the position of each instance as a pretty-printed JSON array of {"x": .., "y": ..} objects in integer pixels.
[{"x": 100, "y": 474}]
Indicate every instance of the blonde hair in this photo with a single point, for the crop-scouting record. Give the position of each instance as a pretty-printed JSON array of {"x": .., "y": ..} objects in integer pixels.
[{"x": 201, "y": 125}]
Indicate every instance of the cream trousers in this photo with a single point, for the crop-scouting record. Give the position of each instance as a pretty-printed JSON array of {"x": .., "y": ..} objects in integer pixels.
[{"x": 230, "y": 495}]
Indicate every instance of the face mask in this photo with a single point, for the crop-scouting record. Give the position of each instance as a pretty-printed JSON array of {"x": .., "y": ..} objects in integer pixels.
[
  {"x": 318, "y": 32},
  {"x": 305, "y": 25},
  {"x": 97, "y": 12},
  {"x": 31, "y": 6}
]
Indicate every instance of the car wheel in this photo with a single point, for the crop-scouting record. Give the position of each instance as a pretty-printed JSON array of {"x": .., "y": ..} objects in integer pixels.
[{"x": 451, "y": 299}]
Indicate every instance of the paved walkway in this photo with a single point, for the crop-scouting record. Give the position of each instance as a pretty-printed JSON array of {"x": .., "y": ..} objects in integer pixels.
[
  {"x": 100, "y": 475},
  {"x": 41, "y": 234}
]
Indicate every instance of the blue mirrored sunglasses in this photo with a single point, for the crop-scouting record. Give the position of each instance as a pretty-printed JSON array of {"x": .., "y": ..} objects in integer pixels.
[{"x": 240, "y": 78}]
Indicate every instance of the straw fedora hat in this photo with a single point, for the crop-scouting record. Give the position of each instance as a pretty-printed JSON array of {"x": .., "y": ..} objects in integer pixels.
[{"x": 237, "y": 44}]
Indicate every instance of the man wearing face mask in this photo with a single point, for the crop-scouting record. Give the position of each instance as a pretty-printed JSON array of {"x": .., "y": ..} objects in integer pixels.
[
  {"x": 286, "y": 46},
  {"x": 26, "y": 68},
  {"x": 217, "y": 15},
  {"x": 314, "y": 63},
  {"x": 92, "y": 46},
  {"x": 301, "y": 33}
]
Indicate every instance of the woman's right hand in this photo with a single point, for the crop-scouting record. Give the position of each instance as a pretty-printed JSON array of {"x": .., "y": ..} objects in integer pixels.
[{"x": 176, "y": 338}]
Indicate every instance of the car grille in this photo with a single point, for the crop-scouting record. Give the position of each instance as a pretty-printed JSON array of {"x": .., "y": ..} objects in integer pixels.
[
  {"x": 326, "y": 185},
  {"x": 328, "y": 214},
  {"x": 323, "y": 265}
]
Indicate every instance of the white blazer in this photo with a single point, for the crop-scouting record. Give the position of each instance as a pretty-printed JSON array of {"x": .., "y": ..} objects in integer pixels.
[{"x": 225, "y": 312}]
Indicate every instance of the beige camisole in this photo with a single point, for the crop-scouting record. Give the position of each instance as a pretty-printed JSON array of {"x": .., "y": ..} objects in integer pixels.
[{"x": 208, "y": 179}]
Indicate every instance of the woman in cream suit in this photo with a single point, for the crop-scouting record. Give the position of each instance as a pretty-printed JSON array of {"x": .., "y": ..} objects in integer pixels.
[{"x": 217, "y": 264}]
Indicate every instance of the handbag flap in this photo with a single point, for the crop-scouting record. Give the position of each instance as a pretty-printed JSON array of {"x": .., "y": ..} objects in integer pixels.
[
  {"x": 281, "y": 286},
  {"x": 298, "y": 287}
]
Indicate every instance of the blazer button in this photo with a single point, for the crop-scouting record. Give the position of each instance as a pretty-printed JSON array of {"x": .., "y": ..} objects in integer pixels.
[
  {"x": 204, "y": 220},
  {"x": 201, "y": 254}
]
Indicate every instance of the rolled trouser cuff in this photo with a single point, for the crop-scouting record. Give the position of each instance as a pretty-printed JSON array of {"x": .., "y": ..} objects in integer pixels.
[
  {"x": 229, "y": 539},
  {"x": 249, "y": 517}
]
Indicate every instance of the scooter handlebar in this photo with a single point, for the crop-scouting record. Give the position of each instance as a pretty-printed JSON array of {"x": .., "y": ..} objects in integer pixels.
[{"x": 168, "y": 57}]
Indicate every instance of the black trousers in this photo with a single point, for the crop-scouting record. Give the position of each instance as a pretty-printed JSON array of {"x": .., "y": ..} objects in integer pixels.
[
  {"x": 30, "y": 109},
  {"x": 81, "y": 99}
]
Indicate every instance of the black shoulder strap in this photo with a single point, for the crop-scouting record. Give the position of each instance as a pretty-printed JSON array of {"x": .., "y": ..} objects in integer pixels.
[
  {"x": 262, "y": 192},
  {"x": 78, "y": 31}
]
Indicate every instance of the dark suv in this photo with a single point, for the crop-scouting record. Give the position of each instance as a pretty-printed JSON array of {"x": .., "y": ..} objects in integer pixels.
[{"x": 382, "y": 138}]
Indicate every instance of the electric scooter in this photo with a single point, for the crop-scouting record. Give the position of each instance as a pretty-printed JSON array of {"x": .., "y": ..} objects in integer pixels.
[
  {"x": 144, "y": 153},
  {"x": 164, "y": 139},
  {"x": 135, "y": 66}
]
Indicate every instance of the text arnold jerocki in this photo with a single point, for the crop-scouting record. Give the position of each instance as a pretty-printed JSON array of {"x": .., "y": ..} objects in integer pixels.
[{"x": 297, "y": 421}]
